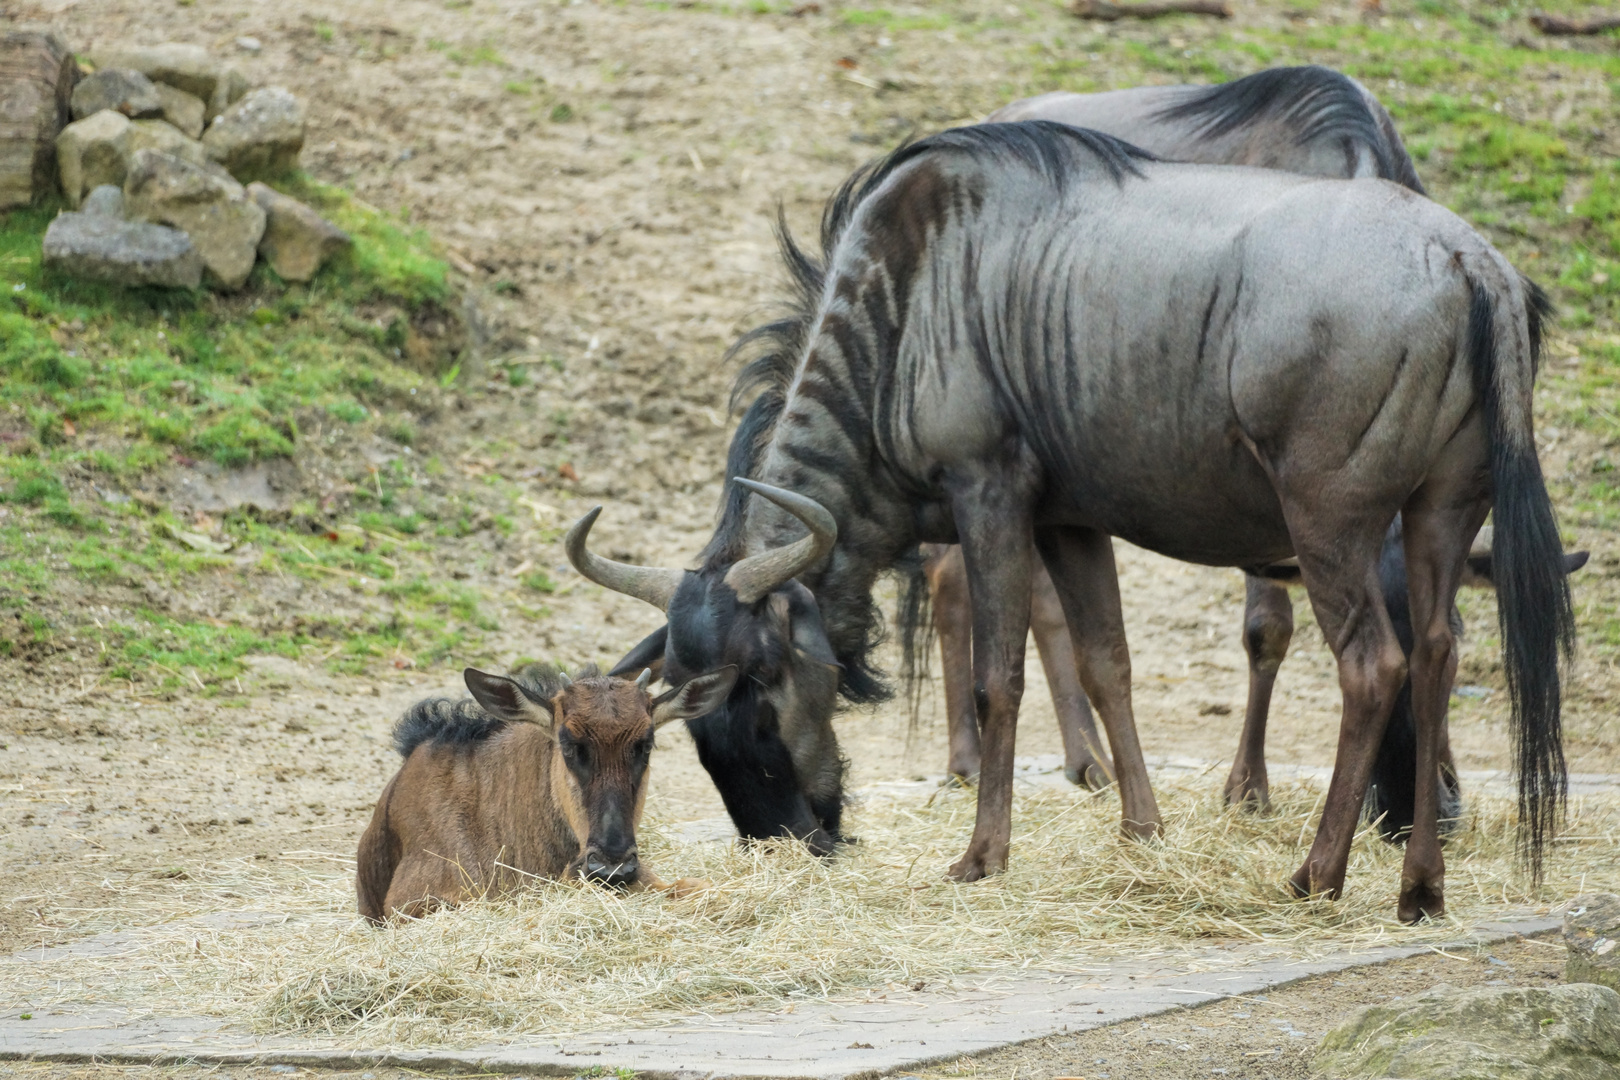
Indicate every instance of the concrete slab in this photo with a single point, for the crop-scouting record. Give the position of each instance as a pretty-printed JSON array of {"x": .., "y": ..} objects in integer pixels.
[{"x": 832, "y": 1040}]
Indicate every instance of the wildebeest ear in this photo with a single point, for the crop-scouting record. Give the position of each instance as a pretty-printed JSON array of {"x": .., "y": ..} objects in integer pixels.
[
  {"x": 505, "y": 700},
  {"x": 1477, "y": 570},
  {"x": 695, "y": 697},
  {"x": 648, "y": 653}
]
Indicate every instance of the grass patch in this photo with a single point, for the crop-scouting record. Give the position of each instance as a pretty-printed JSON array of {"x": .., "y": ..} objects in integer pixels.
[{"x": 209, "y": 376}]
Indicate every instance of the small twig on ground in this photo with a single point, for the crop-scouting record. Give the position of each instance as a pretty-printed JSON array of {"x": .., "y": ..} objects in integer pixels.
[
  {"x": 1107, "y": 11},
  {"x": 1559, "y": 26}
]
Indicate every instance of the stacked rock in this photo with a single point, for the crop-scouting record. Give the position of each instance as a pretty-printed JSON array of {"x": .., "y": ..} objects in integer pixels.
[{"x": 178, "y": 135}]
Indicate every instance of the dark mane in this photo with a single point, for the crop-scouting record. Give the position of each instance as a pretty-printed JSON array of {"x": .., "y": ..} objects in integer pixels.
[
  {"x": 778, "y": 345},
  {"x": 460, "y": 723},
  {"x": 1313, "y": 101}
]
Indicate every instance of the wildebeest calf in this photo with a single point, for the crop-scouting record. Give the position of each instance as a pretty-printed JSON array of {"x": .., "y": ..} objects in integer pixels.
[{"x": 539, "y": 776}]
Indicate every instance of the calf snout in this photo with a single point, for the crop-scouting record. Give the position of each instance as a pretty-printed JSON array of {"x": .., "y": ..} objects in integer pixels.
[{"x": 612, "y": 870}]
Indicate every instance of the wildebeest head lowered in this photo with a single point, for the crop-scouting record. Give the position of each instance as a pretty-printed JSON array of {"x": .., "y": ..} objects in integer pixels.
[
  {"x": 771, "y": 745},
  {"x": 537, "y": 776}
]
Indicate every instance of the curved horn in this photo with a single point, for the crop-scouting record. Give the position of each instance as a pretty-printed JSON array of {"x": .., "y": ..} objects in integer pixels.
[
  {"x": 644, "y": 678},
  {"x": 654, "y": 584},
  {"x": 757, "y": 575}
]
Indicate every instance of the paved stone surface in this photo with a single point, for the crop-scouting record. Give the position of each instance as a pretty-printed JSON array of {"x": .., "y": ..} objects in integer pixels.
[{"x": 899, "y": 1029}]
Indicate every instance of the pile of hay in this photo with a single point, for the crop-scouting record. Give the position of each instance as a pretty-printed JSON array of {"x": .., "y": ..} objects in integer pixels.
[{"x": 779, "y": 925}]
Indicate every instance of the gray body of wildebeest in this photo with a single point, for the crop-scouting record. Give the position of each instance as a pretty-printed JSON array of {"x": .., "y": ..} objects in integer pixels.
[
  {"x": 1310, "y": 120},
  {"x": 1032, "y": 328},
  {"x": 539, "y": 776}
]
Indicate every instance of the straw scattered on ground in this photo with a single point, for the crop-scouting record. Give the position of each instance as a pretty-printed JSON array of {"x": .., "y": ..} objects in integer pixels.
[{"x": 779, "y": 926}]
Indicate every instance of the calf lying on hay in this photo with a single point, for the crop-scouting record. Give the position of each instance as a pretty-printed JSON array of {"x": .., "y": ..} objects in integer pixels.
[{"x": 539, "y": 776}]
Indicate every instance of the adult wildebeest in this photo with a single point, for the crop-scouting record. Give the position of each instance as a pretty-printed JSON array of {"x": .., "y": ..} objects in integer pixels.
[
  {"x": 539, "y": 776},
  {"x": 1033, "y": 328},
  {"x": 1310, "y": 120}
]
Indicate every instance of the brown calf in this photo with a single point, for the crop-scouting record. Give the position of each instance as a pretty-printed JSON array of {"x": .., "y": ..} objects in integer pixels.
[{"x": 539, "y": 776}]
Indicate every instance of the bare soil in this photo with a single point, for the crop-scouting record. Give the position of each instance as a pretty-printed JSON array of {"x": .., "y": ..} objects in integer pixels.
[{"x": 605, "y": 177}]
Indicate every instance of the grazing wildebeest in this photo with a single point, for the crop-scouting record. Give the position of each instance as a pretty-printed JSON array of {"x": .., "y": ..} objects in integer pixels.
[
  {"x": 539, "y": 776},
  {"x": 1310, "y": 120},
  {"x": 1032, "y": 328}
]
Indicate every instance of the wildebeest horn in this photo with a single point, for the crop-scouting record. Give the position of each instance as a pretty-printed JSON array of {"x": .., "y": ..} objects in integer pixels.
[
  {"x": 654, "y": 584},
  {"x": 644, "y": 678},
  {"x": 757, "y": 575}
]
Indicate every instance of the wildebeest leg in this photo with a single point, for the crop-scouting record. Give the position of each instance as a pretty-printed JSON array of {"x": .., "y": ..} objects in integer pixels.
[
  {"x": 993, "y": 521},
  {"x": 953, "y": 622},
  {"x": 1081, "y": 562},
  {"x": 1084, "y": 760},
  {"x": 1438, "y": 527},
  {"x": 1339, "y": 563},
  {"x": 1268, "y": 627}
]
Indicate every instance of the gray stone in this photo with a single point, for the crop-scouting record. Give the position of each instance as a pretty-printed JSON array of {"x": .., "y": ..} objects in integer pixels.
[
  {"x": 230, "y": 89},
  {"x": 184, "y": 67},
  {"x": 92, "y": 152},
  {"x": 164, "y": 137},
  {"x": 1592, "y": 933},
  {"x": 98, "y": 149},
  {"x": 260, "y": 136},
  {"x": 223, "y": 223},
  {"x": 1486, "y": 1033},
  {"x": 119, "y": 89},
  {"x": 184, "y": 111},
  {"x": 105, "y": 201},
  {"x": 297, "y": 240},
  {"x": 37, "y": 76},
  {"x": 102, "y": 247}
]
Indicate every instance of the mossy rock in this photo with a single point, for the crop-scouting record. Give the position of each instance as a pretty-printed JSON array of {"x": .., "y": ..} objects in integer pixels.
[{"x": 1551, "y": 1033}]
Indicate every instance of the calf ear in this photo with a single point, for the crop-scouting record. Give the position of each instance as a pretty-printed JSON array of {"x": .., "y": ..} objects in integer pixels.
[
  {"x": 505, "y": 700},
  {"x": 1575, "y": 560},
  {"x": 695, "y": 697}
]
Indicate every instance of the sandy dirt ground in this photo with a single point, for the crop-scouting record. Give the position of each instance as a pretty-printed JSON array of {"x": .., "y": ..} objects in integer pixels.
[{"x": 614, "y": 171}]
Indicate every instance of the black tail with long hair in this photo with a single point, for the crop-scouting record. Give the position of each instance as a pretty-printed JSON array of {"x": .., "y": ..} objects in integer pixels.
[{"x": 1534, "y": 609}]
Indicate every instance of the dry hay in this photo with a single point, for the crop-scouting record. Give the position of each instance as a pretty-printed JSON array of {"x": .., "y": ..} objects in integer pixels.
[{"x": 779, "y": 925}]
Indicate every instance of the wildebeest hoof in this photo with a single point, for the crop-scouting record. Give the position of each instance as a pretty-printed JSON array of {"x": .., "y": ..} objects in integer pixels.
[
  {"x": 1141, "y": 830},
  {"x": 974, "y": 866},
  {"x": 1302, "y": 888},
  {"x": 1244, "y": 794},
  {"x": 1092, "y": 777},
  {"x": 1420, "y": 902}
]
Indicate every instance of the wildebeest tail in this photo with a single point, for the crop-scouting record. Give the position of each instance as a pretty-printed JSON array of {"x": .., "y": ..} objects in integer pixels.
[
  {"x": 1534, "y": 608},
  {"x": 914, "y": 619}
]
